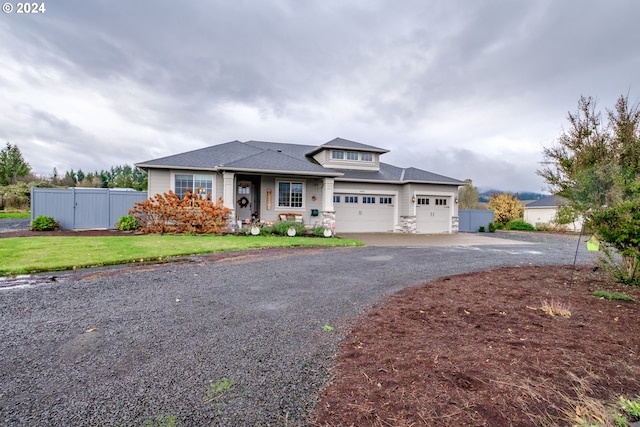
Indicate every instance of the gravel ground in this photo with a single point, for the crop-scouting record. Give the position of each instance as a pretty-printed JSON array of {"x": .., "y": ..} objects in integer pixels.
[
  {"x": 227, "y": 341},
  {"x": 14, "y": 224}
]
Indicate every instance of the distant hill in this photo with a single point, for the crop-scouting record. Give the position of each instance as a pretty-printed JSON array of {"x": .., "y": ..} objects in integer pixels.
[{"x": 523, "y": 196}]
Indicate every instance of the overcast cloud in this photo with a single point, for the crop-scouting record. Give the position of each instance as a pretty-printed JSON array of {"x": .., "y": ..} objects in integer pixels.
[{"x": 467, "y": 89}]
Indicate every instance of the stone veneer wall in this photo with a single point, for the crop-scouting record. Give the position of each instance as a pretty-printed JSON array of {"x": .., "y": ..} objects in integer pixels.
[
  {"x": 232, "y": 224},
  {"x": 328, "y": 219},
  {"x": 408, "y": 224},
  {"x": 455, "y": 224}
]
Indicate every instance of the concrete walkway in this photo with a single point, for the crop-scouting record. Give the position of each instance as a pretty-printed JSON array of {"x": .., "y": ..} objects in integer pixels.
[{"x": 423, "y": 240}]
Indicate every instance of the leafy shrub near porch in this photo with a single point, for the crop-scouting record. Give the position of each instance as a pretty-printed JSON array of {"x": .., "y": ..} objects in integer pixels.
[
  {"x": 167, "y": 213},
  {"x": 282, "y": 227},
  {"x": 127, "y": 223},
  {"x": 44, "y": 223},
  {"x": 520, "y": 225}
]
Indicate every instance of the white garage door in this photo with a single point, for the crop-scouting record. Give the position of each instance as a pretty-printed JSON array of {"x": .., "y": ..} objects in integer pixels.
[
  {"x": 357, "y": 213},
  {"x": 433, "y": 214}
]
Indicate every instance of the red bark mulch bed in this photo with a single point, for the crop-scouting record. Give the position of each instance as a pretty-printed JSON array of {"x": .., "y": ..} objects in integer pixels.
[{"x": 478, "y": 350}]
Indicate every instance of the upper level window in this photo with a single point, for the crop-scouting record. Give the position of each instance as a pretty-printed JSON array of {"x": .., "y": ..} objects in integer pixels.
[
  {"x": 366, "y": 157},
  {"x": 198, "y": 184},
  {"x": 352, "y": 155},
  {"x": 290, "y": 194},
  {"x": 336, "y": 154}
]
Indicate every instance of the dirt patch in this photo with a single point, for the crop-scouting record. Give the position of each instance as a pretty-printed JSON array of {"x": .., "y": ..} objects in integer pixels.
[{"x": 479, "y": 350}]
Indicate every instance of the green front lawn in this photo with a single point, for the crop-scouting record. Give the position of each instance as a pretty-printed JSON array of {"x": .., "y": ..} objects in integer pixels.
[
  {"x": 21, "y": 255},
  {"x": 16, "y": 214}
]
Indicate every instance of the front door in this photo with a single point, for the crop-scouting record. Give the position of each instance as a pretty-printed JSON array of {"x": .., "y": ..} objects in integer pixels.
[
  {"x": 247, "y": 198},
  {"x": 244, "y": 196}
]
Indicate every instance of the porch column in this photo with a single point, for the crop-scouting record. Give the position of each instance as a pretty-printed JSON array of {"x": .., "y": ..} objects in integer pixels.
[
  {"x": 327, "y": 194},
  {"x": 328, "y": 215},
  {"x": 228, "y": 194}
]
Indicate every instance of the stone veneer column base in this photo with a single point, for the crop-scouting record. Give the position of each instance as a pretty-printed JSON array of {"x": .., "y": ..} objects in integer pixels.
[
  {"x": 232, "y": 224},
  {"x": 408, "y": 224},
  {"x": 455, "y": 224},
  {"x": 328, "y": 219}
]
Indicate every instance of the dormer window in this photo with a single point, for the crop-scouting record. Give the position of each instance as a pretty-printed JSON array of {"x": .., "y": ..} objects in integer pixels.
[
  {"x": 352, "y": 155},
  {"x": 366, "y": 157},
  {"x": 337, "y": 155}
]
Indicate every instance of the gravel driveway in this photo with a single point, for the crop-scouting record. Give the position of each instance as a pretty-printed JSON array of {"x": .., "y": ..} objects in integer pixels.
[{"x": 230, "y": 340}]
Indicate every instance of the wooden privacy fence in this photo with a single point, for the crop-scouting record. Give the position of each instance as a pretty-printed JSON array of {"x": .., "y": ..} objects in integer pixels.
[{"x": 84, "y": 208}]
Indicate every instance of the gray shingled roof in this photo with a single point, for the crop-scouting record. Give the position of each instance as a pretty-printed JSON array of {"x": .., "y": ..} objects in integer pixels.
[
  {"x": 348, "y": 145},
  {"x": 393, "y": 173},
  {"x": 205, "y": 158},
  {"x": 548, "y": 202},
  {"x": 274, "y": 161},
  {"x": 276, "y": 157}
]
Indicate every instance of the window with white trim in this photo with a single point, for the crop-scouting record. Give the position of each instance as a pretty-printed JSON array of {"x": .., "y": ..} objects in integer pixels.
[
  {"x": 198, "y": 184},
  {"x": 352, "y": 155},
  {"x": 337, "y": 154},
  {"x": 290, "y": 194},
  {"x": 366, "y": 157}
]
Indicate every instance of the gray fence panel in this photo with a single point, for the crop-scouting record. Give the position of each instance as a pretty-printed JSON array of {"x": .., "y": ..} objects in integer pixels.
[
  {"x": 91, "y": 209},
  {"x": 84, "y": 208},
  {"x": 57, "y": 204},
  {"x": 121, "y": 202},
  {"x": 472, "y": 219}
]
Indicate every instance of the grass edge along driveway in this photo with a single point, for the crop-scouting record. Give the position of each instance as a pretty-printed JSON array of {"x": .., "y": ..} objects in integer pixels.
[{"x": 24, "y": 255}]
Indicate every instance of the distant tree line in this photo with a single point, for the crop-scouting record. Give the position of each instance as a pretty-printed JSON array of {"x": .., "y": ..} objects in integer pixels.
[{"x": 17, "y": 178}]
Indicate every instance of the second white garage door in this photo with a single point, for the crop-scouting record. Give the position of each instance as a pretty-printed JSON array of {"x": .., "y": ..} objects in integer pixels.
[
  {"x": 357, "y": 213},
  {"x": 433, "y": 214}
]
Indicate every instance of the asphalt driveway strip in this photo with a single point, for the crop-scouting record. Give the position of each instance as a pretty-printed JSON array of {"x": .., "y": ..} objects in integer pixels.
[{"x": 244, "y": 339}]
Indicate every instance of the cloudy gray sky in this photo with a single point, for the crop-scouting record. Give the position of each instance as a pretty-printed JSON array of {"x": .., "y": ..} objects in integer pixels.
[{"x": 464, "y": 88}]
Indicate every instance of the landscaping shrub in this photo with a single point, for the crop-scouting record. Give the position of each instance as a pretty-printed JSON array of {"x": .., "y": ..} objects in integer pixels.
[
  {"x": 44, "y": 223},
  {"x": 282, "y": 227},
  {"x": 481, "y": 229},
  {"x": 167, "y": 213},
  {"x": 127, "y": 223},
  {"x": 318, "y": 231},
  {"x": 520, "y": 225}
]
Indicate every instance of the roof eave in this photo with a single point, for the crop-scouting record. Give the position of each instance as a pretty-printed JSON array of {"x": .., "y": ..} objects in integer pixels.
[
  {"x": 280, "y": 172},
  {"x": 145, "y": 167}
]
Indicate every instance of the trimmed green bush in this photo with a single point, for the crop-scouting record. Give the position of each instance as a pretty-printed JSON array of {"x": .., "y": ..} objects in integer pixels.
[
  {"x": 127, "y": 223},
  {"x": 282, "y": 227},
  {"x": 44, "y": 223},
  {"x": 520, "y": 225}
]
